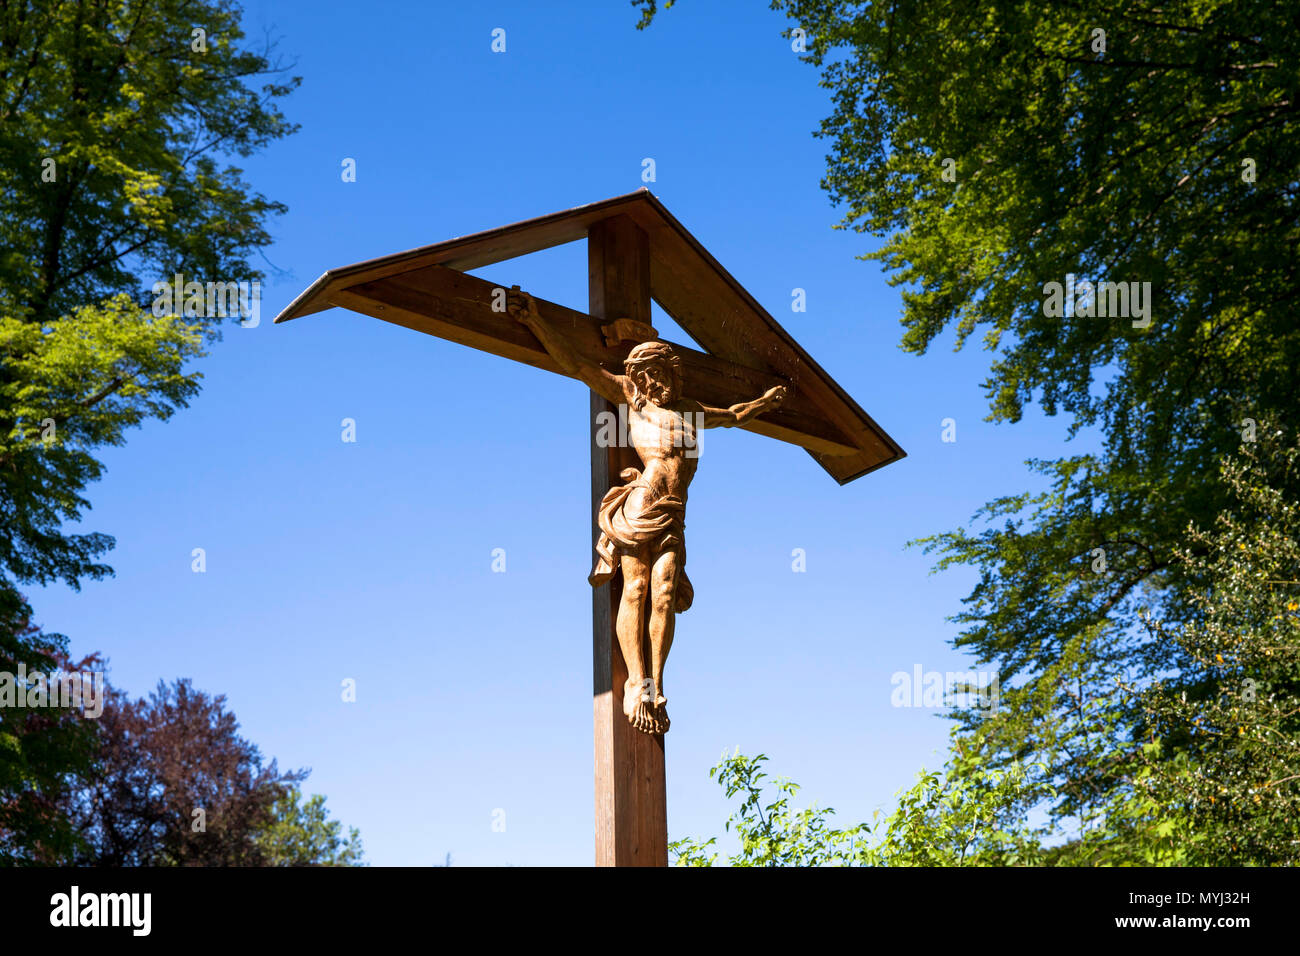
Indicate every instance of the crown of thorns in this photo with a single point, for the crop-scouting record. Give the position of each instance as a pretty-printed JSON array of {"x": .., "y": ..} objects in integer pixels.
[{"x": 648, "y": 352}]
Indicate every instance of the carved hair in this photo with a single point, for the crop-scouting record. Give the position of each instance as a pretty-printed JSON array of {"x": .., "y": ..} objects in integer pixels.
[{"x": 651, "y": 353}]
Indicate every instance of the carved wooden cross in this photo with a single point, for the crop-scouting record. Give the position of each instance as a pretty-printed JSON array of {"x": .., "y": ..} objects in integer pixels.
[{"x": 637, "y": 252}]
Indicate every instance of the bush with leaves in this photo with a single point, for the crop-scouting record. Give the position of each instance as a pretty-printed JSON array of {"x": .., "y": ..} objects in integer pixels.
[{"x": 955, "y": 818}]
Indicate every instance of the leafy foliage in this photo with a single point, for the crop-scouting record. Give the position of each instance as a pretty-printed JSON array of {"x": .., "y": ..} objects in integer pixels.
[
  {"x": 775, "y": 834},
  {"x": 175, "y": 784},
  {"x": 951, "y": 819},
  {"x": 302, "y": 834},
  {"x": 1225, "y": 736},
  {"x": 1165, "y": 152},
  {"x": 1209, "y": 775},
  {"x": 112, "y": 119},
  {"x": 41, "y": 750},
  {"x": 134, "y": 111},
  {"x": 69, "y": 388},
  {"x": 115, "y": 118}
]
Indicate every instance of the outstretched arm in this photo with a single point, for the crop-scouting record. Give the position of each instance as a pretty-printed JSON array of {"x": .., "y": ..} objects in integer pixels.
[
  {"x": 604, "y": 383},
  {"x": 743, "y": 412}
]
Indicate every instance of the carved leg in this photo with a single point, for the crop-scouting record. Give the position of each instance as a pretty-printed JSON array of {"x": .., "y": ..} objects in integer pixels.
[
  {"x": 663, "y": 622},
  {"x": 630, "y": 627}
]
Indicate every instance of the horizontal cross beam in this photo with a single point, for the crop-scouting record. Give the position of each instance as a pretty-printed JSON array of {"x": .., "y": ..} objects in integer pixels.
[{"x": 452, "y": 305}]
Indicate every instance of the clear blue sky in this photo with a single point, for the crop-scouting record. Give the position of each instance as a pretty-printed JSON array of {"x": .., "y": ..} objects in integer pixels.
[{"x": 372, "y": 560}]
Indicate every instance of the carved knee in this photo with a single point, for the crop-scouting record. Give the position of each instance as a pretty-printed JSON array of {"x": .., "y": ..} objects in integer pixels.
[{"x": 634, "y": 589}]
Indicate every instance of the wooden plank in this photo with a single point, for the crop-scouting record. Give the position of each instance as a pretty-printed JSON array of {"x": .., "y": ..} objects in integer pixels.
[
  {"x": 631, "y": 792},
  {"x": 724, "y": 319},
  {"x": 451, "y": 305},
  {"x": 701, "y": 296},
  {"x": 464, "y": 252}
]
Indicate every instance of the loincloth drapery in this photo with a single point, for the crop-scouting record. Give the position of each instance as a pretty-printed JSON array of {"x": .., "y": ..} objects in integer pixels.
[{"x": 659, "y": 523}]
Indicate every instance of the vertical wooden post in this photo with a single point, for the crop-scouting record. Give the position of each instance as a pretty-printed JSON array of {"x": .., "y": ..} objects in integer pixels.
[{"x": 631, "y": 800}]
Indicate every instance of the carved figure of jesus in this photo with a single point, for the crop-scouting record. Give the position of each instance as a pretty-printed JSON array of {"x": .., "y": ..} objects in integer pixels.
[{"x": 643, "y": 521}]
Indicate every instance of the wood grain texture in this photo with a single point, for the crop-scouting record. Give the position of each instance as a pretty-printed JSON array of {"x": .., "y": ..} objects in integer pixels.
[
  {"x": 749, "y": 369},
  {"x": 685, "y": 279},
  {"x": 726, "y": 321},
  {"x": 451, "y": 305},
  {"x": 464, "y": 252},
  {"x": 631, "y": 792}
]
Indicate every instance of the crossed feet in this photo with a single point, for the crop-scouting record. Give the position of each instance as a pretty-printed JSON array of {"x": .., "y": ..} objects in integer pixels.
[{"x": 645, "y": 707}]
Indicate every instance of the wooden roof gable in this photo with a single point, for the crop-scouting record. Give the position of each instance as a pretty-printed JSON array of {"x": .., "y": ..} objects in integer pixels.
[{"x": 745, "y": 350}]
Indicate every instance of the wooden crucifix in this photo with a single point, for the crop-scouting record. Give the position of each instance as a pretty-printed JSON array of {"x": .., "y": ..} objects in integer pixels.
[{"x": 649, "y": 398}]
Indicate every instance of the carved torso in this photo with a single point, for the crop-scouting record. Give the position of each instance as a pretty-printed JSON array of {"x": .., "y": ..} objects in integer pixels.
[{"x": 666, "y": 439}]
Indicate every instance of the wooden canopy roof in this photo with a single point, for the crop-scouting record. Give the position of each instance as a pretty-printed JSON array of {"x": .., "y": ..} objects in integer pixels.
[{"x": 745, "y": 350}]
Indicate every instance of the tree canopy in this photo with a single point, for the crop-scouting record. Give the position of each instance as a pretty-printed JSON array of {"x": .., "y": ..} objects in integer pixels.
[
  {"x": 114, "y": 119},
  {"x": 1005, "y": 153},
  {"x": 174, "y": 783},
  {"x": 118, "y": 121}
]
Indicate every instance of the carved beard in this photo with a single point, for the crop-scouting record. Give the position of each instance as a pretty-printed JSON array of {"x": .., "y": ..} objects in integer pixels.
[{"x": 654, "y": 390}]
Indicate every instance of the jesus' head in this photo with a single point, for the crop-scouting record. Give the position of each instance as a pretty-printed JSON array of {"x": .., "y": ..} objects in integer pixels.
[{"x": 656, "y": 373}]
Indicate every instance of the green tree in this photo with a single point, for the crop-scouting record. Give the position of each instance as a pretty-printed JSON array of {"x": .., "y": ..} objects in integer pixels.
[
  {"x": 69, "y": 388},
  {"x": 41, "y": 750},
  {"x": 1224, "y": 738},
  {"x": 113, "y": 118},
  {"x": 1210, "y": 775},
  {"x": 116, "y": 119},
  {"x": 1000, "y": 147},
  {"x": 302, "y": 834}
]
